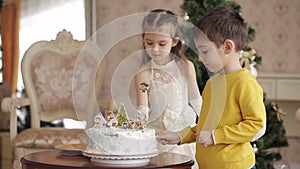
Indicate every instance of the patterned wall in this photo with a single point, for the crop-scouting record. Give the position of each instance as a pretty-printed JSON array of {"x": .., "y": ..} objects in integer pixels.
[{"x": 277, "y": 25}]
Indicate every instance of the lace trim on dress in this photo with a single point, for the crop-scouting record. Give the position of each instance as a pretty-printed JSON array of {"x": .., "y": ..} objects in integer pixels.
[{"x": 164, "y": 73}]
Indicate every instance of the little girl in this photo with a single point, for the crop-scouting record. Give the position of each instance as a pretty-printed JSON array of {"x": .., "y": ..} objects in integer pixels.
[{"x": 167, "y": 91}]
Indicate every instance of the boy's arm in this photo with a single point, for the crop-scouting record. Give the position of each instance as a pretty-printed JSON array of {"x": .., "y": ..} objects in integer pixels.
[
  {"x": 184, "y": 136},
  {"x": 253, "y": 114},
  {"x": 187, "y": 135}
]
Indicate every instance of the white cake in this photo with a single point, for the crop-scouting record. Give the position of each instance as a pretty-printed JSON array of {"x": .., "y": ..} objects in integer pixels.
[
  {"x": 118, "y": 141},
  {"x": 120, "y": 135}
]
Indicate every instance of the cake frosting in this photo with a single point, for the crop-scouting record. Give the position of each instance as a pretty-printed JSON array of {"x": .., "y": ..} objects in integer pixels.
[
  {"x": 117, "y": 141},
  {"x": 120, "y": 135}
]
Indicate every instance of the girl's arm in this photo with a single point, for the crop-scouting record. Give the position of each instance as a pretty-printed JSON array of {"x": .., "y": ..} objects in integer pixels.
[
  {"x": 195, "y": 99},
  {"x": 141, "y": 82}
]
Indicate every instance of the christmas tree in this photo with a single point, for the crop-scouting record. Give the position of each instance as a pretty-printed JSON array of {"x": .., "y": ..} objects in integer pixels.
[{"x": 275, "y": 131}]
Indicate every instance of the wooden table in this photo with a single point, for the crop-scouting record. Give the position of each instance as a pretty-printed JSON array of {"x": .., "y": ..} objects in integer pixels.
[{"x": 56, "y": 160}]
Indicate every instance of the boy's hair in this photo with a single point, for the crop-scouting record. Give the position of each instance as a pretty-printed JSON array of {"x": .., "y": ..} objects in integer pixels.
[
  {"x": 164, "y": 21},
  {"x": 220, "y": 24}
]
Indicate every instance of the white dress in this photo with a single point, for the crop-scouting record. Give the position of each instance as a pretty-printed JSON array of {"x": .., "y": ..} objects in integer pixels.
[{"x": 169, "y": 104}]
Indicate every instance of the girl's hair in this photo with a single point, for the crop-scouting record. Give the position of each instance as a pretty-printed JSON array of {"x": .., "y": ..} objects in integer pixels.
[
  {"x": 163, "y": 21},
  {"x": 220, "y": 24}
]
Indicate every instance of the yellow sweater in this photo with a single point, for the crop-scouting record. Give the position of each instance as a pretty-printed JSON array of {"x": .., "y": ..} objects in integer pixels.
[{"x": 233, "y": 109}]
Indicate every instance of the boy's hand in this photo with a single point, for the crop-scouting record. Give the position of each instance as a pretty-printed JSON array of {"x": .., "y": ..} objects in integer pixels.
[
  {"x": 167, "y": 137},
  {"x": 205, "y": 138}
]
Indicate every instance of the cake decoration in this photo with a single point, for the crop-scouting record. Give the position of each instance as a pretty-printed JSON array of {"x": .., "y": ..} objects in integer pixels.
[
  {"x": 99, "y": 120},
  {"x": 110, "y": 115},
  {"x": 121, "y": 120},
  {"x": 122, "y": 116},
  {"x": 117, "y": 134}
]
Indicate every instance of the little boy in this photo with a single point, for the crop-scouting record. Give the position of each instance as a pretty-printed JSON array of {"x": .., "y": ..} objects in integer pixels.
[{"x": 233, "y": 112}]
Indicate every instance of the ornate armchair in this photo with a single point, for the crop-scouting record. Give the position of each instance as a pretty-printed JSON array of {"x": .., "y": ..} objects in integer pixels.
[{"x": 59, "y": 84}]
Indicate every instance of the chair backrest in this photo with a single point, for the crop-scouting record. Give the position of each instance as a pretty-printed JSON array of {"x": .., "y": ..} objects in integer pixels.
[{"x": 58, "y": 82}]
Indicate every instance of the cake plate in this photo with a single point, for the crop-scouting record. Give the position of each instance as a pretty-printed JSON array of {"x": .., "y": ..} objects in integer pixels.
[{"x": 120, "y": 160}]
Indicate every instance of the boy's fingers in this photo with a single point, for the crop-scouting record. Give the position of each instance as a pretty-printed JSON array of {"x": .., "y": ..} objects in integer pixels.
[
  {"x": 162, "y": 140},
  {"x": 161, "y": 136},
  {"x": 197, "y": 137},
  {"x": 159, "y": 133},
  {"x": 203, "y": 138}
]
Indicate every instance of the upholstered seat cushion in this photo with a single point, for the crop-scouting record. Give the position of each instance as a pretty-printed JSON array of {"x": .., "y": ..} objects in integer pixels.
[{"x": 49, "y": 137}]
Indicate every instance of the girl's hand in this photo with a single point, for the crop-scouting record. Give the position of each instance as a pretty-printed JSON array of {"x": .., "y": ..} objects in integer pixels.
[
  {"x": 167, "y": 137},
  {"x": 205, "y": 138}
]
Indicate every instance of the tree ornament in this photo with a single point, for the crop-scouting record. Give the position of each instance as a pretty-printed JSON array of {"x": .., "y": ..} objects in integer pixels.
[
  {"x": 255, "y": 148},
  {"x": 186, "y": 16},
  {"x": 279, "y": 112},
  {"x": 247, "y": 58}
]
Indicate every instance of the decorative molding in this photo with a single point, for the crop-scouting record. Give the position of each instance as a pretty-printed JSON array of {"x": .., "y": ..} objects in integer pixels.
[
  {"x": 279, "y": 75},
  {"x": 281, "y": 86},
  {"x": 63, "y": 40}
]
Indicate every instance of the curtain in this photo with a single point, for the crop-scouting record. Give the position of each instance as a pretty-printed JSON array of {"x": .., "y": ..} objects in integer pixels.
[{"x": 10, "y": 23}]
